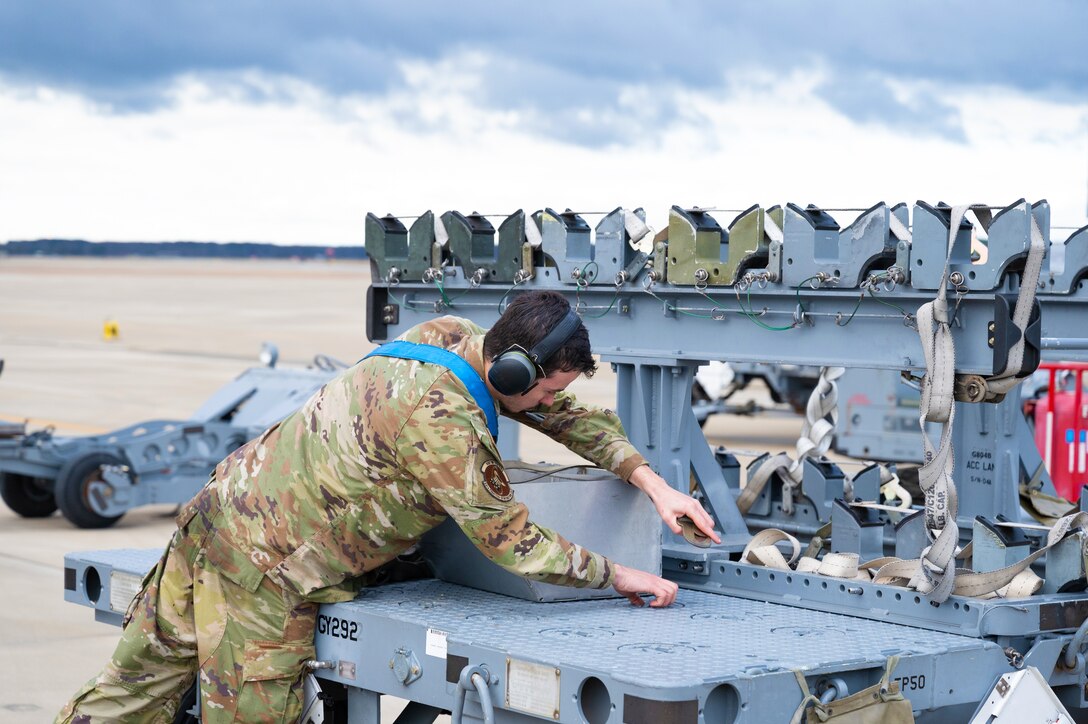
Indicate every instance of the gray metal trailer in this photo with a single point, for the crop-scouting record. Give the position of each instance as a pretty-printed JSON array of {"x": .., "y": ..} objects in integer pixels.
[
  {"x": 784, "y": 285},
  {"x": 94, "y": 479}
]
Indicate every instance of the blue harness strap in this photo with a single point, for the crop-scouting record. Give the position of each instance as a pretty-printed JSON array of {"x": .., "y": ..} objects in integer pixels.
[{"x": 456, "y": 364}]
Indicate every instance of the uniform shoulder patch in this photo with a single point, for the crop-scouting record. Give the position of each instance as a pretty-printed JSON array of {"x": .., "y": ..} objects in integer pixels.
[{"x": 496, "y": 482}]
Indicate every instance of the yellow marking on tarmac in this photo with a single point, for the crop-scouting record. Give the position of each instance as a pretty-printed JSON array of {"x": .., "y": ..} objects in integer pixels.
[{"x": 40, "y": 423}]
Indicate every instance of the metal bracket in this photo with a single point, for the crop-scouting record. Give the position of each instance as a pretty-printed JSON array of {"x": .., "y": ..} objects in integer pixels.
[{"x": 405, "y": 666}]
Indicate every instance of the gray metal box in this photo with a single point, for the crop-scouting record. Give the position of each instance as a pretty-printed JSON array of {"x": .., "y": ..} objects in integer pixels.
[{"x": 588, "y": 506}]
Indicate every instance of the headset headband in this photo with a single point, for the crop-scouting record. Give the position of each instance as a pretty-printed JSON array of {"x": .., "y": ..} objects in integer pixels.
[
  {"x": 515, "y": 371},
  {"x": 545, "y": 348}
]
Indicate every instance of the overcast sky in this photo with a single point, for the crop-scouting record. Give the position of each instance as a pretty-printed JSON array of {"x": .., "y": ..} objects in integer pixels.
[{"x": 287, "y": 121}]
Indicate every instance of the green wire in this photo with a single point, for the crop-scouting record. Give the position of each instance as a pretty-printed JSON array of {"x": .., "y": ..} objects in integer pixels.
[
  {"x": 584, "y": 274},
  {"x": 752, "y": 316},
  {"x": 797, "y": 288},
  {"x": 855, "y": 311},
  {"x": 504, "y": 296},
  {"x": 671, "y": 308},
  {"x": 902, "y": 311},
  {"x": 446, "y": 299},
  {"x": 610, "y": 305},
  {"x": 393, "y": 296},
  {"x": 584, "y": 278}
]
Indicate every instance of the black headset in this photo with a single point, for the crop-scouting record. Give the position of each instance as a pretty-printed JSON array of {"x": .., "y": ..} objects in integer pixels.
[{"x": 515, "y": 371}]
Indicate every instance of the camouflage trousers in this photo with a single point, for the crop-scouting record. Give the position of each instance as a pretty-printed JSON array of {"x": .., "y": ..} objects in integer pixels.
[{"x": 246, "y": 649}]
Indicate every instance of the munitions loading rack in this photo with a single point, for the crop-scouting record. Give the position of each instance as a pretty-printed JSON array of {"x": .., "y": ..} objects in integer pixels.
[{"x": 784, "y": 285}]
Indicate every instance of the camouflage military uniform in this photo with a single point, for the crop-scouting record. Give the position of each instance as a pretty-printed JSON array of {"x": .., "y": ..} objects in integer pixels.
[{"x": 376, "y": 458}]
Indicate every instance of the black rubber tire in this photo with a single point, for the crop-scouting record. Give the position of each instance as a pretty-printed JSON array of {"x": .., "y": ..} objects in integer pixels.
[
  {"x": 71, "y": 489},
  {"x": 27, "y": 496}
]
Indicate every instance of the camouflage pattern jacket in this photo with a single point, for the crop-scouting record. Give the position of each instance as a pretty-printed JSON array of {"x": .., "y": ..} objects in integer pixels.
[{"x": 376, "y": 458}]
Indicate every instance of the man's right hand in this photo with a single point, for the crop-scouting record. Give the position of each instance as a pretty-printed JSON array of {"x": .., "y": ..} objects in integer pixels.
[{"x": 631, "y": 582}]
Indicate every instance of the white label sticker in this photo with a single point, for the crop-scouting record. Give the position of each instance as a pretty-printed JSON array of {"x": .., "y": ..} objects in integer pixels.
[
  {"x": 532, "y": 688},
  {"x": 436, "y": 643}
]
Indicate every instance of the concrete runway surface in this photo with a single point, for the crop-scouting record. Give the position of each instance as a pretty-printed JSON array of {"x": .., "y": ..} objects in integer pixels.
[{"x": 186, "y": 328}]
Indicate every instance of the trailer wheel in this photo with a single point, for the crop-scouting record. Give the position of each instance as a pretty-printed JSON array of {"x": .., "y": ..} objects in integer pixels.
[
  {"x": 27, "y": 496},
  {"x": 73, "y": 488}
]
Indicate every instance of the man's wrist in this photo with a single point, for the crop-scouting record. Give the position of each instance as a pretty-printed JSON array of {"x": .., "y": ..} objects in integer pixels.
[{"x": 646, "y": 480}]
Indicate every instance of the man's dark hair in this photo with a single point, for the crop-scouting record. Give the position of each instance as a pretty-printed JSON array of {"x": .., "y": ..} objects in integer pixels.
[{"x": 527, "y": 320}]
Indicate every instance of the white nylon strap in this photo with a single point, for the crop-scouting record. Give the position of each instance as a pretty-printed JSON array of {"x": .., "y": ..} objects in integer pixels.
[
  {"x": 761, "y": 550},
  {"x": 635, "y": 227},
  {"x": 1016, "y": 580},
  {"x": 532, "y": 232},
  {"x": 770, "y": 228},
  {"x": 1023, "y": 584},
  {"x": 817, "y": 431},
  {"x": 441, "y": 236},
  {"x": 898, "y": 228},
  {"x": 891, "y": 489},
  {"x": 759, "y": 477},
  {"x": 839, "y": 565},
  {"x": 807, "y": 564},
  {"x": 935, "y": 572}
]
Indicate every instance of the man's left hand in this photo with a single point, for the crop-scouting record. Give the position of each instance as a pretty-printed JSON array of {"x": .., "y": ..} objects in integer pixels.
[{"x": 671, "y": 504}]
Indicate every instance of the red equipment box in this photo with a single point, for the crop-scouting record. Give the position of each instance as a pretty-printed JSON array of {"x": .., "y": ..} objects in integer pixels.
[{"x": 1061, "y": 429}]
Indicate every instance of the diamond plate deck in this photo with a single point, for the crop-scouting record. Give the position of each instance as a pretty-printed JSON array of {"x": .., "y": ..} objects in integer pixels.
[{"x": 702, "y": 636}]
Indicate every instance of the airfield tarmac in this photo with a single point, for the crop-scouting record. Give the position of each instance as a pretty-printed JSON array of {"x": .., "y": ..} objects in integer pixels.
[{"x": 186, "y": 328}]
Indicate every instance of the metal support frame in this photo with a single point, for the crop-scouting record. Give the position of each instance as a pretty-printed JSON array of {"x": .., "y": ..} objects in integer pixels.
[{"x": 653, "y": 400}]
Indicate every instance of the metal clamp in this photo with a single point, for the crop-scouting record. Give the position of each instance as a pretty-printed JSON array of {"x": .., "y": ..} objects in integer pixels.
[
  {"x": 476, "y": 677},
  {"x": 1016, "y": 659},
  {"x": 478, "y": 277}
]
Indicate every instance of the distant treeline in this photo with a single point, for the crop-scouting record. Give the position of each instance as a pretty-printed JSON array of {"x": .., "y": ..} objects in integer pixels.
[{"x": 239, "y": 250}]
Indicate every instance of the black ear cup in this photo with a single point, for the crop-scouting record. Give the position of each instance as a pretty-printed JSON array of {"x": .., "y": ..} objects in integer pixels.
[{"x": 512, "y": 373}]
